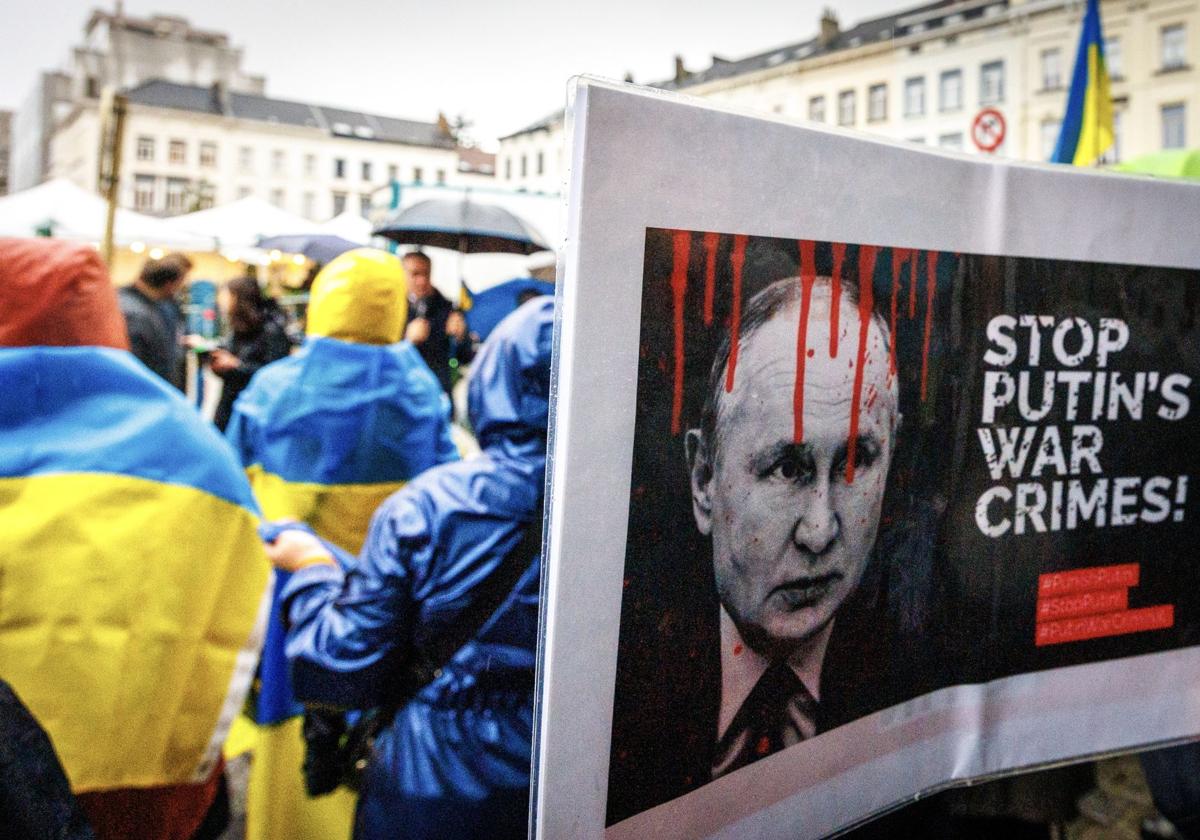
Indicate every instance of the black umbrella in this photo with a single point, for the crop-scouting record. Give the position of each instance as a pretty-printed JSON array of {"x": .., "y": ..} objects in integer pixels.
[{"x": 465, "y": 226}]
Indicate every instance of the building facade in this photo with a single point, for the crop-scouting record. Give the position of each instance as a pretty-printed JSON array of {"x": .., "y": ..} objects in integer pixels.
[
  {"x": 5, "y": 148},
  {"x": 188, "y": 147},
  {"x": 924, "y": 75}
]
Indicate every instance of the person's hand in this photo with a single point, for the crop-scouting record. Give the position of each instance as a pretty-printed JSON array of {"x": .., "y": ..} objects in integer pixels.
[
  {"x": 417, "y": 331},
  {"x": 456, "y": 326},
  {"x": 222, "y": 361},
  {"x": 294, "y": 549},
  {"x": 191, "y": 341}
]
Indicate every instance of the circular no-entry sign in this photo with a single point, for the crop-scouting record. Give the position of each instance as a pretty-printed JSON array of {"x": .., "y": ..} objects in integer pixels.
[{"x": 987, "y": 131}]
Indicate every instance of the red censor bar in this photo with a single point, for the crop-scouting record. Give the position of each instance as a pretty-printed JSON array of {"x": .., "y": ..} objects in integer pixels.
[
  {"x": 1109, "y": 624},
  {"x": 1122, "y": 576},
  {"x": 1085, "y": 603}
]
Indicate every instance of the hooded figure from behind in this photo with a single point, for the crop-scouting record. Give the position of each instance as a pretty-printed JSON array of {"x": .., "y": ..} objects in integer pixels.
[
  {"x": 132, "y": 574},
  {"x": 326, "y": 435},
  {"x": 455, "y": 759}
]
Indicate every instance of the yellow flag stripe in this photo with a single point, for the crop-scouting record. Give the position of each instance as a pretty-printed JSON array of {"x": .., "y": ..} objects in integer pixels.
[{"x": 1096, "y": 134}]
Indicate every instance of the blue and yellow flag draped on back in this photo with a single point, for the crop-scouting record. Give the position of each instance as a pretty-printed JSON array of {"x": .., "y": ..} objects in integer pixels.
[
  {"x": 1087, "y": 127},
  {"x": 131, "y": 575},
  {"x": 326, "y": 435}
]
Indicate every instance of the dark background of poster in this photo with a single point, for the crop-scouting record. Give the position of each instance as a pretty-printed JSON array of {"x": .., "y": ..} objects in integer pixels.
[{"x": 941, "y": 603}]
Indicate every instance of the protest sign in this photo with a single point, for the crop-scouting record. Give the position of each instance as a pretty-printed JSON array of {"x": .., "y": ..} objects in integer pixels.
[{"x": 873, "y": 473}]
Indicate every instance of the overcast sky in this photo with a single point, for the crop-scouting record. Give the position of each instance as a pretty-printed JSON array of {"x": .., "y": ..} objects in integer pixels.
[{"x": 502, "y": 65}]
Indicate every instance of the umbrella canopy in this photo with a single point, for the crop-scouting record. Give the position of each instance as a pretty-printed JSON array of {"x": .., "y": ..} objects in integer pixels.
[
  {"x": 465, "y": 226},
  {"x": 241, "y": 223},
  {"x": 318, "y": 247},
  {"x": 67, "y": 211},
  {"x": 488, "y": 308},
  {"x": 1169, "y": 163}
]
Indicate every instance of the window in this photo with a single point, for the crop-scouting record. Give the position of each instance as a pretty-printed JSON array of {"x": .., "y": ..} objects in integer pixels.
[
  {"x": 846, "y": 107},
  {"x": 278, "y": 162},
  {"x": 244, "y": 192},
  {"x": 364, "y": 205},
  {"x": 914, "y": 96},
  {"x": 950, "y": 90},
  {"x": 524, "y": 166},
  {"x": 208, "y": 153},
  {"x": 366, "y": 170},
  {"x": 441, "y": 173},
  {"x": 393, "y": 172},
  {"x": 953, "y": 140},
  {"x": 877, "y": 103},
  {"x": 143, "y": 193},
  {"x": 177, "y": 194},
  {"x": 339, "y": 203},
  {"x": 418, "y": 175},
  {"x": 246, "y": 159},
  {"x": 310, "y": 205},
  {"x": 339, "y": 168},
  {"x": 91, "y": 88},
  {"x": 991, "y": 83},
  {"x": 541, "y": 163},
  {"x": 1113, "y": 155},
  {"x": 1113, "y": 58},
  {"x": 145, "y": 149},
  {"x": 1173, "y": 134},
  {"x": 816, "y": 109},
  {"x": 177, "y": 151},
  {"x": 1173, "y": 47},
  {"x": 1052, "y": 69},
  {"x": 1049, "y": 137},
  {"x": 918, "y": 140},
  {"x": 277, "y": 197},
  {"x": 508, "y": 169},
  {"x": 310, "y": 165}
]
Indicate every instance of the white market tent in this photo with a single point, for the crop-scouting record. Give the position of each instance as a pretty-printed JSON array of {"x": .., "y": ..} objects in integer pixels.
[
  {"x": 239, "y": 224},
  {"x": 71, "y": 212},
  {"x": 349, "y": 225}
]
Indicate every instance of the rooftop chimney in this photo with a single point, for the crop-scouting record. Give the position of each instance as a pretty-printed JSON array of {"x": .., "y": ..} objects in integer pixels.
[
  {"x": 681, "y": 72},
  {"x": 628, "y": 77},
  {"x": 829, "y": 28},
  {"x": 220, "y": 98},
  {"x": 443, "y": 127}
]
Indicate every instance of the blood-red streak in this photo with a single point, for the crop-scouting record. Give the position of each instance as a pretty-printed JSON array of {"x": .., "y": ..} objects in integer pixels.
[
  {"x": 808, "y": 274},
  {"x": 866, "y": 304},
  {"x": 931, "y": 259},
  {"x": 912, "y": 285},
  {"x": 898, "y": 256},
  {"x": 737, "y": 258},
  {"x": 835, "y": 301},
  {"x": 710, "y": 274},
  {"x": 679, "y": 270}
]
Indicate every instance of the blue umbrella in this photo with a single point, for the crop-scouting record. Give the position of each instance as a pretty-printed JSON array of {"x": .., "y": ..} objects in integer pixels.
[
  {"x": 465, "y": 226},
  {"x": 318, "y": 247},
  {"x": 488, "y": 308}
]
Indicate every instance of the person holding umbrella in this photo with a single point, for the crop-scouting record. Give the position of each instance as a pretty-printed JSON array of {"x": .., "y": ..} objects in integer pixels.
[{"x": 435, "y": 327}]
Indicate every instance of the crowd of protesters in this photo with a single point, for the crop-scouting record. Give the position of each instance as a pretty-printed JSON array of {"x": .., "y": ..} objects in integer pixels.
[{"x": 383, "y": 676}]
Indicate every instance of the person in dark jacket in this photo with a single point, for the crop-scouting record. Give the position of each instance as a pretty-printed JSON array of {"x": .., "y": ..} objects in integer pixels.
[
  {"x": 454, "y": 761},
  {"x": 435, "y": 327},
  {"x": 152, "y": 317},
  {"x": 257, "y": 337}
]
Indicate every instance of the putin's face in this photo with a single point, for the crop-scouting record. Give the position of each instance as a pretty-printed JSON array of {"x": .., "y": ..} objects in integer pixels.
[{"x": 791, "y": 535}]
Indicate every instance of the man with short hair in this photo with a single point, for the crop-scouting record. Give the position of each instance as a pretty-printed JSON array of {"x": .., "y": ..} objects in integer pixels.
[
  {"x": 433, "y": 321},
  {"x": 153, "y": 318},
  {"x": 792, "y": 521}
]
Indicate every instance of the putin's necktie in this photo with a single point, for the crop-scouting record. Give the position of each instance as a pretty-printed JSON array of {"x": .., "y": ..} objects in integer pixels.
[{"x": 778, "y": 712}]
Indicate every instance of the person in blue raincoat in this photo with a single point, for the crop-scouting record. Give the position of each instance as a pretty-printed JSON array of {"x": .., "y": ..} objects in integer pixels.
[
  {"x": 455, "y": 759},
  {"x": 326, "y": 436}
]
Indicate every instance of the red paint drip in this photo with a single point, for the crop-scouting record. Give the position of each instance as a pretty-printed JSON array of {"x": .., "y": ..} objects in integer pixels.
[
  {"x": 835, "y": 301},
  {"x": 710, "y": 274},
  {"x": 679, "y": 277},
  {"x": 912, "y": 285},
  {"x": 867, "y": 255},
  {"x": 808, "y": 274},
  {"x": 866, "y": 304},
  {"x": 737, "y": 258},
  {"x": 931, "y": 259},
  {"x": 898, "y": 256}
]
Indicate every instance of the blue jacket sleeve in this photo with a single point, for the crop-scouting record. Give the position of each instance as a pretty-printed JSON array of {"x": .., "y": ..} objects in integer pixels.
[{"x": 349, "y": 628}]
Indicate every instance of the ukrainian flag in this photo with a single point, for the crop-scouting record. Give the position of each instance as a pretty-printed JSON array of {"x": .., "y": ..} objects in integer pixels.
[
  {"x": 1087, "y": 128},
  {"x": 131, "y": 573},
  {"x": 326, "y": 436}
]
